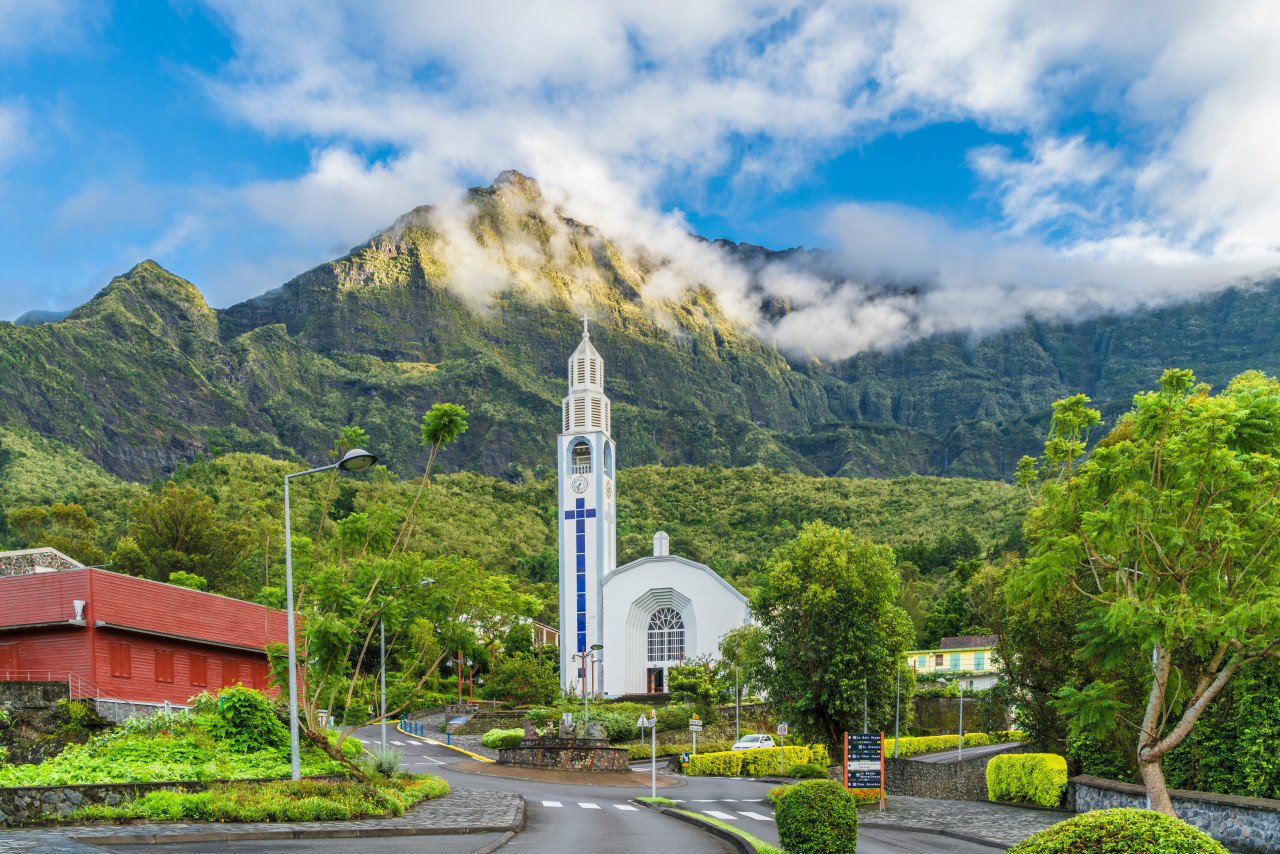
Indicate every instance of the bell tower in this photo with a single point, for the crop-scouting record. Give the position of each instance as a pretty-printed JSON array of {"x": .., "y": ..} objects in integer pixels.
[{"x": 588, "y": 541}]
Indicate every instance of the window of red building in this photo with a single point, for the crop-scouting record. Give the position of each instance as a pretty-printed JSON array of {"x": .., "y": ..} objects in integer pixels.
[
  {"x": 121, "y": 661},
  {"x": 164, "y": 665},
  {"x": 199, "y": 669},
  {"x": 230, "y": 672}
]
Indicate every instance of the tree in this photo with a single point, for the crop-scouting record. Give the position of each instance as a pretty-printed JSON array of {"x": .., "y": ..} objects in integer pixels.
[
  {"x": 65, "y": 527},
  {"x": 1171, "y": 530},
  {"x": 524, "y": 680},
  {"x": 179, "y": 529},
  {"x": 744, "y": 648},
  {"x": 701, "y": 684},
  {"x": 828, "y": 609},
  {"x": 349, "y": 438},
  {"x": 441, "y": 425}
]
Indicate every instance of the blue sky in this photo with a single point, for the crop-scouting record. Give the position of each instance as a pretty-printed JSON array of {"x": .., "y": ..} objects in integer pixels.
[{"x": 993, "y": 148}]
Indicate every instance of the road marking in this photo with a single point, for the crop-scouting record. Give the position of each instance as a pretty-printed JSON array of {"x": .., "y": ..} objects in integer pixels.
[
  {"x": 589, "y": 806},
  {"x": 398, "y": 743},
  {"x": 730, "y": 800},
  {"x": 723, "y": 816},
  {"x": 676, "y": 801},
  {"x": 755, "y": 815},
  {"x": 555, "y": 804},
  {"x": 417, "y": 743},
  {"x": 706, "y": 800},
  {"x": 626, "y": 807}
]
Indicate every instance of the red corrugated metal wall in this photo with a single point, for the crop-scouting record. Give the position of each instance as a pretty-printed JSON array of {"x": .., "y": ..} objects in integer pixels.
[
  {"x": 174, "y": 680},
  {"x": 45, "y": 597}
]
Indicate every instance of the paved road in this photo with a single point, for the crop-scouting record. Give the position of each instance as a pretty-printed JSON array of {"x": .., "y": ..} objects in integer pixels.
[
  {"x": 599, "y": 818},
  {"x": 467, "y": 844},
  {"x": 949, "y": 755}
]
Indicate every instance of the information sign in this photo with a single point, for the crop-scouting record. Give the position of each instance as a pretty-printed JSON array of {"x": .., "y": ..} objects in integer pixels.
[
  {"x": 864, "y": 760},
  {"x": 782, "y": 729},
  {"x": 695, "y": 725}
]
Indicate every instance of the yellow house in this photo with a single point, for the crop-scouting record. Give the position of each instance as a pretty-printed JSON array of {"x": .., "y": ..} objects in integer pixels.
[{"x": 972, "y": 658}]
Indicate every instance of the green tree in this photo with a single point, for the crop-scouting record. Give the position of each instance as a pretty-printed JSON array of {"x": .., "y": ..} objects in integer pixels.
[
  {"x": 66, "y": 527},
  {"x": 743, "y": 649},
  {"x": 1170, "y": 530},
  {"x": 179, "y": 529},
  {"x": 187, "y": 579},
  {"x": 523, "y": 680},
  {"x": 701, "y": 684},
  {"x": 828, "y": 609},
  {"x": 349, "y": 438},
  {"x": 441, "y": 425}
]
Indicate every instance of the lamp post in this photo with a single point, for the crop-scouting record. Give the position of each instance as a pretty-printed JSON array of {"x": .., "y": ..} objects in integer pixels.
[
  {"x": 587, "y": 658},
  {"x": 960, "y": 743},
  {"x": 354, "y": 460},
  {"x": 737, "y": 705}
]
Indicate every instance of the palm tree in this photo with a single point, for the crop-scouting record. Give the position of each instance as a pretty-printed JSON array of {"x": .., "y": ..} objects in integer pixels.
[{"x": 441, "y": 425}]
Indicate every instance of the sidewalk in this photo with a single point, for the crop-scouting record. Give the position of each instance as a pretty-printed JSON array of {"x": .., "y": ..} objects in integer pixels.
[
  {"x": 974, "y": 820},
  {"x": 462, "y": 811}
]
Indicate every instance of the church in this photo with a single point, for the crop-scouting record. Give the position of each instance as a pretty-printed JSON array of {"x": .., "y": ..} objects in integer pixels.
[{"x": 621, "y": 627}]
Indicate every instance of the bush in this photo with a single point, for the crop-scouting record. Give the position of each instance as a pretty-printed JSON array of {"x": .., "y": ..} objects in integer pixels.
[
  {"x": 758, "y": 762},
  {"x": 817, "y": 817},
  {"x": 496, "y": 739},
  {"x": 1119, "y": 831},
  {"x": 811, "y": 771},
  {"x": 819, "y": 755},
  {"x": 1036, "y": 778},
  {"x": 1005, "y": 736},
  {"x": 386, "y": 762},
  {"x": 916, "y": 745},
  {"x": 247, "y": 721},
  {"x": 644, "y": 751}
]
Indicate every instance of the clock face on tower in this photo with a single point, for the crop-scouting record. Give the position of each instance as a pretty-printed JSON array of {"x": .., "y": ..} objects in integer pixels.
[{"x": 579, "y": 484}]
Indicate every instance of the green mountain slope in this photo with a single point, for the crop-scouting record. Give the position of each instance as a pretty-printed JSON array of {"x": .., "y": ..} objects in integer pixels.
[{"x": 146, "y": 376}]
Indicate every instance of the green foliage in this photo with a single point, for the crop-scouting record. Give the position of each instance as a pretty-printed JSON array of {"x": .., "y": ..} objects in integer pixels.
[
  {"x": 809, "y": 771},
  {"x": 522, "y": 679},
  {"x": 385, "y": 761},
  {"x": 757, "y": 762},
  {"x": 1167, "y": 530},
  {"x": 287, "y": 800},
  {"x": 828, "y": 608},
  {"x": 917, "y": 744},
  {"x": 700, "y": 684},
  {"x": 246, "y": 721},
  {"x": 1035, "y": 778},
  {"x": 188, "y": 579},
  {"x": 497, "y": 739},
  {"x": 643, "y": 751},
  {"x": 179, "y": 530},
  {"x": 1119, "y": 831},
  {"x": 817, "y": 817}
]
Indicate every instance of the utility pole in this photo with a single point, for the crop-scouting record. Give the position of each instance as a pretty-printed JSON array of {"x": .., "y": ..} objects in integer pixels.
[{"x": 897, "y": 710}]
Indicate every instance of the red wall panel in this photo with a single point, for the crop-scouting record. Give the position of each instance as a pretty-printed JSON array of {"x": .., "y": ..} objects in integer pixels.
[
  {"x": 54, "y": 651},
  {"x": 222, "y": 667},
  {"x": 44, "y": 597}
]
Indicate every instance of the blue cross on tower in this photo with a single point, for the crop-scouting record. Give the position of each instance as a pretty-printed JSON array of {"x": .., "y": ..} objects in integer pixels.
[{"x": 579, "y": 515}]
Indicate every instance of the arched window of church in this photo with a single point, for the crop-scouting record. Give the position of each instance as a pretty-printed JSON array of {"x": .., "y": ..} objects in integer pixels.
[
  {"x": 666, "y": 635},
  {"x": 580, "y": 458},
  {"x": 608, "y": 460}
]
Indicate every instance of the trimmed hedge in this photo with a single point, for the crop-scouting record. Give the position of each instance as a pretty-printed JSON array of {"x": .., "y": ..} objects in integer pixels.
[
  {"x": 757, "y": 762},
  {"x": 644, "y": 751},
  {"x": 817, "y": 817},
  {"x": 916, "y": 745},
  {"x": 496, "y": 739},
  {"x": 1119, "y": 831},
  {"x": 1004, "y": 736},
  {"x": 1036, "y": 778}
]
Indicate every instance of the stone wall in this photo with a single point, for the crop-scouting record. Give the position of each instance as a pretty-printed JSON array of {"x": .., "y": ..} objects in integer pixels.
[
  {"x": 38, "y": 729},
  {"x": 566, "y": 754},
  {"x": 1242, "y": 824},
  {"x": 957, "y": 781},
  {"x": 26, "y": 561}
]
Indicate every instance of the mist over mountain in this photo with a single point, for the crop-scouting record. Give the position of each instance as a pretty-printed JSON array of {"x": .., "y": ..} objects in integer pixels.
[{"x": 478, "y": 303}]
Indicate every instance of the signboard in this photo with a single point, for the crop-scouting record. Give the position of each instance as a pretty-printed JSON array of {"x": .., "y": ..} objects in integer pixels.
[
  {"x": 782, "y": 729},
  {"x": 695, "y": 725},
  {"x": 864, "y": 762}
]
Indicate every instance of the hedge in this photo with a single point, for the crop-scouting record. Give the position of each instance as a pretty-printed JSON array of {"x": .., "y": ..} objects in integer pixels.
[
  {"x": 644, "y": 751},
  {"x": 1119, "y": 831},
  {"x": 496, "y": 739},
  {"x": 916, "y": 745},
  {"x": 1004, "y": 736},
  {"x": 1036, "y": 778},
  {"x": 817, "y": 817},
  {"x": 757, "y": 762}
]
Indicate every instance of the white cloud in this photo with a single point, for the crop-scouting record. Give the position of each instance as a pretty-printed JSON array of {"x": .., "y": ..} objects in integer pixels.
[
  {"x": 46, "y": 25},
  {"x": 13, "y": 133},
  {"x": 1146, "y": 171}
]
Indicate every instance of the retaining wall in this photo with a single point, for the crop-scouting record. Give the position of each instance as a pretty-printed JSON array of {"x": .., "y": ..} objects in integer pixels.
[
  {"x": 566, "y": 754},
  {"x": 1242, "y": 824},
  {"x": 957, "y": 781}
]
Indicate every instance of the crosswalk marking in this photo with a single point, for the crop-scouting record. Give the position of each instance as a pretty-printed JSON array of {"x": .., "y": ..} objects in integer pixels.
[
  {"x": 556, "y": 804},
  {"x": 706, "y": 800},
  {"x": 416, "y": 743},
  {"x": 755, "y": 815},
  {"x": 730, "y": 800},
  {"x": 627, "y": 807},
  {"x": 723, "y": 816},
  {"x": 589, "y": 806},
  {"x": 398, "y": 743}
]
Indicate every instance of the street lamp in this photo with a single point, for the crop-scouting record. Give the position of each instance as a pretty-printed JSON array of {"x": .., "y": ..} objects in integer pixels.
[
  {"x": 587, "y": 656},
  {"x": 354, "y": 460}
]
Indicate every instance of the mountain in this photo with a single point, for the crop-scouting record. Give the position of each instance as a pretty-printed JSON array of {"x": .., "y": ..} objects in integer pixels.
[
  {"x": 35, "y": 317},
  {"x": 482, "y": 309}
]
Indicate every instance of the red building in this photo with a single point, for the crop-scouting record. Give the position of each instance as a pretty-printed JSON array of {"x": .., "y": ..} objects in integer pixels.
[{"x": 116, "y": 637}]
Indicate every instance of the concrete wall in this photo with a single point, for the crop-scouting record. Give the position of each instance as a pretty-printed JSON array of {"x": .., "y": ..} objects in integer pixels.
[{"x": 1242, "y": 824}]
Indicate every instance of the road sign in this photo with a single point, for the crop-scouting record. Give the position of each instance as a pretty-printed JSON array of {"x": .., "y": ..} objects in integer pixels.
[
  {"x": 864, "y": 762},
  {"x": 782, "y": 729},
  {"x": 695, "y": 725}
]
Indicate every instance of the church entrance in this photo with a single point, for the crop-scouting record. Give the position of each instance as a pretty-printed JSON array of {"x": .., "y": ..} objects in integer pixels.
[{"x": 657, "y": 684}]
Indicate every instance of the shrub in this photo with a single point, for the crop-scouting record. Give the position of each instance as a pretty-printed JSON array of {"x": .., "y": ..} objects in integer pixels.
[
  {"x": 817, "y": 817},
  {"x": 758, "y": 762},
  {"x": 1119, "y": 831},
  {"x": 246, "y": 721},
  {"x": 811, "y": 771},
  {"x": 496, "y": 739},
  {"x": 1004, "y": 736},
  {"x": 1037, "y": 778},
  {"x": 644, "y": 751},
  {"x": 386, "y": 762},
  {"x": 819, "y": 755},
  {"x": 916, "y": 745}
]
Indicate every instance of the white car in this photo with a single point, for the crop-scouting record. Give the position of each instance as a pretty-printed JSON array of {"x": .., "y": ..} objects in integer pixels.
[{"x": 751, "y": 742}]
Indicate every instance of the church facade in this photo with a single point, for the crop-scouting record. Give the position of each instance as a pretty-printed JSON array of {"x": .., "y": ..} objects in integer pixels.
[{"x": 621, "y": 628}]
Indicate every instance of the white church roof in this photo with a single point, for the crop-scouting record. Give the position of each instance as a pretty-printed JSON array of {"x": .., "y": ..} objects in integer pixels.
[{"x": 659, "y": 559}]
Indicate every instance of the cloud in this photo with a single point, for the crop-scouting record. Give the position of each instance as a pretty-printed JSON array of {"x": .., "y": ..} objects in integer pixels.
[
  {"x": 13, "y": 133},
  {"x": 47, "y": 25},
  {"x": 1143, "y": 167}
]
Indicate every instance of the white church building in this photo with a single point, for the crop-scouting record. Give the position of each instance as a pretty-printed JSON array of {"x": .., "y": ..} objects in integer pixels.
[{"x": 621, "y": 627}]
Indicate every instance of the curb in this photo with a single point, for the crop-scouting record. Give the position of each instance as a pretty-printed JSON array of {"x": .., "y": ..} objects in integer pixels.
[
  {"x": 741, "y": 845},
  {"x": 497, "y": 843},
  {"x": 447, "y": 746},
  {"x": 935, "y": 831}
]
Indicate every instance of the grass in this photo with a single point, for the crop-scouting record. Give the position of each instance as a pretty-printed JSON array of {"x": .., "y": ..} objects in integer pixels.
[
  {"x": 282, "y": 800},
  {"x": 181, "y": 747},
  {"x": 756, "y": 842},
  {"x": 658, "y": 800}
]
